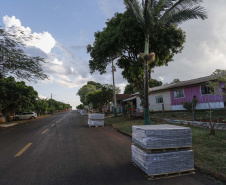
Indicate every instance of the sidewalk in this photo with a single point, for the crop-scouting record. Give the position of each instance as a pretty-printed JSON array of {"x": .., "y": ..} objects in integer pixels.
[{"x": 8, "y": 125}]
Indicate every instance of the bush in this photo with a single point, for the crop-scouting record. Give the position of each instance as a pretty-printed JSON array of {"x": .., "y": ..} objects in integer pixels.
[
  {"x": 8, "y": 118},
  {"x": 188, "y": 105}
]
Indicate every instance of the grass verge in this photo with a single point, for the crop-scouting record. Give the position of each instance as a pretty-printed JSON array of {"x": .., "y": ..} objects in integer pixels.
[{"x": 209, "y": 151}]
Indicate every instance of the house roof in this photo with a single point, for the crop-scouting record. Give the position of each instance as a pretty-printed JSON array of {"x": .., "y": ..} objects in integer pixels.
[
  {"x": 182, "y": 83},
  {"x": 123, "y": 96},
  {"x": 131, "y": 98}
]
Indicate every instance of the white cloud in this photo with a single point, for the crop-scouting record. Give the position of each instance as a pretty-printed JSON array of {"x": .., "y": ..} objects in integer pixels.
[
  {"x": 57, "y": 62},
  {"x": 43, "y": 41},
  {"x": 204, "y": 49},
  {"x": 42, "y": 97},
  {"x": 122, "y": 87},
  {"x": 72, "y": 69},
  {"x": 71, "y": 83}
]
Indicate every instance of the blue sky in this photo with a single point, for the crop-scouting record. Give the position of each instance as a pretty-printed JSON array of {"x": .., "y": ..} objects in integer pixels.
[{"x": 66, "y": 27}]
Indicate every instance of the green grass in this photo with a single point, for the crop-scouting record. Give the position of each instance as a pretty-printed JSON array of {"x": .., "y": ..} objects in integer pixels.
[
  {"x": 199, "y": 114},
  {"x": 209, "y": 151}
]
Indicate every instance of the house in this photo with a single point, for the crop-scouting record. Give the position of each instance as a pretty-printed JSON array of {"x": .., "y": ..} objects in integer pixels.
[
  {"x": 119, "y": 102},
  {"x": 172, "y": 96},
  {"x": 135, "y": 101},
  {"x": 185, "y": 91}
]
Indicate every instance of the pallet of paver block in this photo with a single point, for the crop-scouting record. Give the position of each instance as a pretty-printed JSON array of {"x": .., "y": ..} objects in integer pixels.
[
  {"x": 163, "y": 163},
  {"x": 96, "y": 116},
  {"x": 83, "y": 112},
  {"x": 161, "y": 136},
  {"x": 96, "y": 120},
  {"x": 161, "y": 150}
]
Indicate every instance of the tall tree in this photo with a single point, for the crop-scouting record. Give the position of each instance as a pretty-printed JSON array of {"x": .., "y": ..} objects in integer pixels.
[
  {"x": 131, "y": 89},
  {"x": 165, "y": 42},
  {"x": 16, "y": 96},
  {"x": 164, "y": 13},
  {"x": 14, "y": 61},
  {"x": 176, "y": 80},
  {"x": 83, "y": 92},
  {"x": 101, "y": 98},
  {"x": 97, "y": 85},
  {"x": 41, "y": 106},
  {"x": 154, "y": 83}
]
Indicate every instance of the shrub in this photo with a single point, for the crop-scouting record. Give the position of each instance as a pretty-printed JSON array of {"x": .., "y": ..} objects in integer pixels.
[
  {"x": 188, "y": 105},
  {"x": 8, "y": 118}
]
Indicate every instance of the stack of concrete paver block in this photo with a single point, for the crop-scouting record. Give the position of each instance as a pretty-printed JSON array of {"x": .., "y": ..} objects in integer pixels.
[
  {"x": 154, "y": 137},
  {"x": 161, "y": 163},
  {"x": 162, "y": 136},
  {"x": 83, "y": 112},
  {"x": 96, "y": 120}
]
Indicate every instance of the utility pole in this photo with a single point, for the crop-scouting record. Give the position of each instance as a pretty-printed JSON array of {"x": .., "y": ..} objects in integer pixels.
[
  {"x": 51, "y": 101},
  {"x": 114, "y": 96}
]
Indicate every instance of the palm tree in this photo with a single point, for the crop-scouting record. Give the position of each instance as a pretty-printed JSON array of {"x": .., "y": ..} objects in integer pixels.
[{"x": 152, "y": 13}]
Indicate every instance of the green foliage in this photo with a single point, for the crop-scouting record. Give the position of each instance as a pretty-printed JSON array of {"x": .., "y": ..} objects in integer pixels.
[
  {"x": 14, "y": 61},
  {"x": 16, "y": 96},
  {"x": 154, "y": 83},
  {"x": 52, "y": 109},
  {"x": 100, "y": 98},
  {"x": 81, "y": 106},
  {"x": 165, "y": 42},
  {"x": 97, "y": 85},
  {"x": 93, "y": 87},
  {"x": 8, "y": 118},
  {"x": 188, "y": 105},
  {"x": 131, "y": 89},
  {"x": 84, "y": 90},
  {"x": 218, "y": 82},
  {"x": 176, "y": 80},
  {"x": 56, "y": 106},
  {"x": 41, "y": 106}
]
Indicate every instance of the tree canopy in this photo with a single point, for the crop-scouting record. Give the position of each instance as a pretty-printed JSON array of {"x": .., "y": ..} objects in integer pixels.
[
  {"x": 14, "y": 61},
  {"x": 123, "y": 37},
  {"x": 85, "y": 89},
  {"x": 17, "y": 97},
  {"x": 130, "y": 89},
  {"x": 101, "y": 98},
  {"x": 93, "y": 87}
]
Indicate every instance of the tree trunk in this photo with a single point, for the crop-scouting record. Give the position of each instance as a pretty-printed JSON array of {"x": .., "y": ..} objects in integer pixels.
[{"x": 146, "y": 87}]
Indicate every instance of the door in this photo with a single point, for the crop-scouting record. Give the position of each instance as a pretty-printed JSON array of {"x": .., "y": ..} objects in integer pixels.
[{"x": 23, "y": 116}]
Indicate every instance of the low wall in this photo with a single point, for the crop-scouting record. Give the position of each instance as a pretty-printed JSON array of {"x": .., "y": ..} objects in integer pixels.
[{"x": 218, "y": 126}]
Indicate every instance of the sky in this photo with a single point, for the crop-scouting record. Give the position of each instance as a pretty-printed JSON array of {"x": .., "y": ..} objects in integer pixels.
[{"x": 64, "y": 28}]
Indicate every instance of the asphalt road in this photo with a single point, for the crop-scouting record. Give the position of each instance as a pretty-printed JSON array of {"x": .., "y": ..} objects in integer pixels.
[{"x": 62, "y": 149}]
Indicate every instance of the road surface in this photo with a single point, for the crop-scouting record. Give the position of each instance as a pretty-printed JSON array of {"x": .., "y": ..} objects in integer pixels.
[{"x": 62, "y": 149}]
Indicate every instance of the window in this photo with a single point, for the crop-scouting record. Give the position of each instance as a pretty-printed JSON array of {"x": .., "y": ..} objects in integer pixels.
[
  {"x": 179, "y": 93},
  {"x": 206, "y": 89},
  {"x": 159, "y": 99}
]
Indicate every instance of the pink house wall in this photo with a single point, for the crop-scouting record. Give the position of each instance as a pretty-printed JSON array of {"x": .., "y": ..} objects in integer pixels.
[{"x": 191, "y": 91}]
